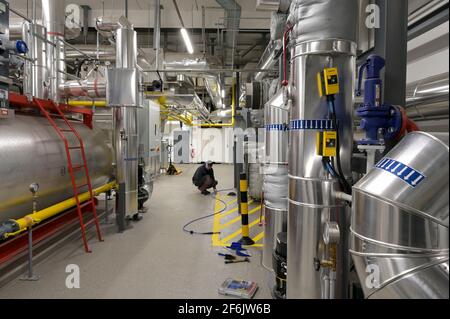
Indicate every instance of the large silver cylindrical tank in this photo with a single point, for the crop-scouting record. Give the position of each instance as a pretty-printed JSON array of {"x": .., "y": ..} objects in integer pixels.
[
  {"x": 275, "y": 174},
  {"x": 32, "y": 152},
  {"x": 400, "y": 236}
]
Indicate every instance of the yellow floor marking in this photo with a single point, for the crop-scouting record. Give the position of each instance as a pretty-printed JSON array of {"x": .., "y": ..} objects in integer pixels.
[
  {"x": 231, "y": 222},
  {"x": 232, "y": 201},
  {"x": 239, "y": 231},
  {"x": 258, "y": 237},
  {"x": 216, "y": 241},
  {"x": 216, "y": 225},
  {"x": 231, "y": 211}
]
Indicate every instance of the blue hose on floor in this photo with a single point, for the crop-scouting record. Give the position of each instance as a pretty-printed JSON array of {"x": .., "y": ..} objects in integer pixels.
[{"x": 224, "y": 208}]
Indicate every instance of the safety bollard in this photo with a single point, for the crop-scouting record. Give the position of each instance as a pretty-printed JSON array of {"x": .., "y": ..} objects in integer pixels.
[{"x": 245, "y": 240}]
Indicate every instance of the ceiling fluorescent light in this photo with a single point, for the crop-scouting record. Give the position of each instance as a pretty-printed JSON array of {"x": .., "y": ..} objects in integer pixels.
[{"x": 187, "y": 41}]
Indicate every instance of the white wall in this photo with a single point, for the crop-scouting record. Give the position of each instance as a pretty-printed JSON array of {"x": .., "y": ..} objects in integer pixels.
[{"x": 214, "y": 144}]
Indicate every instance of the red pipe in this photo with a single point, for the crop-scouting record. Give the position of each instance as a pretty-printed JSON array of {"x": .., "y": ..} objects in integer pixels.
[
  {"x": 408, "y": 125},
  {"x": 285, "y": 81}
]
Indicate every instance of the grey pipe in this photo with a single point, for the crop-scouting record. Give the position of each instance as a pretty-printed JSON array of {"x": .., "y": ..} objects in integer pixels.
[{"x": 157, "y": 31}]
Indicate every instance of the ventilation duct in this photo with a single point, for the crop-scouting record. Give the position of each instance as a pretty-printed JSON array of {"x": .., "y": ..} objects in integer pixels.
[
  {"x": 232, "y": 23},
  {"x": 182, "y": 95},
  {"x": 213, "y": 83},
  {"x": 273, "y": 5},
  {"x": 400, "y": 222}
]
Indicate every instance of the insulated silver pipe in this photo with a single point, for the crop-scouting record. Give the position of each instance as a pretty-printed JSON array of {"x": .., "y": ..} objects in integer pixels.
[
  {"x": 276, "y": 180},
  {"x": 157, "y": 32},
  {"x": 125, "y": 129},
  {"x": 36, "y": 73},
  {"x": 91, "y": 88},
  {"x": 324, "y": 36},
  {"x": 53, "y": 18}
]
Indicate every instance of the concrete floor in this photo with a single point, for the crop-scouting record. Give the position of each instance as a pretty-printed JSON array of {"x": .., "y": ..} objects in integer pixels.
[{"x": 154, "y": 259}]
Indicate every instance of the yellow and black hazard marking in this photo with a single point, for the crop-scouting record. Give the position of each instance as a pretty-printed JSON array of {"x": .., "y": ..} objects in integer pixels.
[{"x": 229, "y": 223}]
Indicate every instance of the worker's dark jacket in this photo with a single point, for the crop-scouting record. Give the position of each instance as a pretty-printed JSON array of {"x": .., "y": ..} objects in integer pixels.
[{"x": 200, "y": 175}]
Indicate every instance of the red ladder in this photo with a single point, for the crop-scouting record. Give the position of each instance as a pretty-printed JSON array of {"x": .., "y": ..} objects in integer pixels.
[{"x": 75, "y": 168}]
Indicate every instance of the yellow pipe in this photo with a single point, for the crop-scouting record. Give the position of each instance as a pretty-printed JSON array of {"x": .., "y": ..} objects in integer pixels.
[
  {"x": 54, "y": 210},
  {"x": 233, "y": 112},
  {"x": 87, "y": 103}
]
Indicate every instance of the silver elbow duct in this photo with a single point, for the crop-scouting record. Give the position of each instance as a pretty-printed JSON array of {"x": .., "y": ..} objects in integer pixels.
[
  {"x": 232, "y": 23},
  {"x": 107, "y": 27},
  {"x": 400, "y": 220}
]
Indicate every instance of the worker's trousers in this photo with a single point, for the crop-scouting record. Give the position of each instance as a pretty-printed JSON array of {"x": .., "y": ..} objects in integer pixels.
[{"x": 208, "y": 182}]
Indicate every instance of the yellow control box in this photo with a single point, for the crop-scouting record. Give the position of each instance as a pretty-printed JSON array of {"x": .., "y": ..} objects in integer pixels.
[
  {"x": 328, "y": 81},
  {"x": 326, "y": 143}
]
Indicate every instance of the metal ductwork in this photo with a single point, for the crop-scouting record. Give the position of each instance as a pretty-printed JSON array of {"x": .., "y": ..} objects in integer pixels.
[
  {"x": 232, "y": 23},
  {"x": 273, "y": 5},
  {"x": 268, "y": 59},
  {"x": 213, "y": 82},
  {"x": 182, "y": 94},
  {"x": 400, "y": 220}
]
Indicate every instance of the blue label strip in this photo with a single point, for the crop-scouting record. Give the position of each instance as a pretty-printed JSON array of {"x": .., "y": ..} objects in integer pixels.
[
  {"x": 312, "y": 125},
  {"x": 408, "y": 174},
  {"x": 276, "y": 127}
]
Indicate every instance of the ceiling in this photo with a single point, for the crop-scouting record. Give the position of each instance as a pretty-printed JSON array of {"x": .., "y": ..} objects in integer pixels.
[{"x": 251, "y": 41}]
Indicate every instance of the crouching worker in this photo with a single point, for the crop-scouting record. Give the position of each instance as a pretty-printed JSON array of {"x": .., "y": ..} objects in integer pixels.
[{"x": 204, "y": 178}]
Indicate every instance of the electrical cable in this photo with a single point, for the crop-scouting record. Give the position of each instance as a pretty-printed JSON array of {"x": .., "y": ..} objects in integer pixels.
[
  {"x": 328, "y": 167},
  {"x": 344, "y": 183},
  {"x": 225, "y": 206}
]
